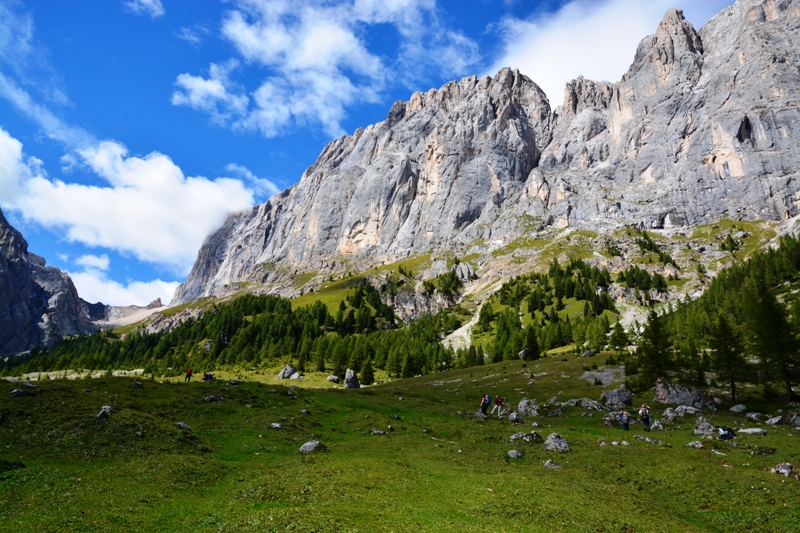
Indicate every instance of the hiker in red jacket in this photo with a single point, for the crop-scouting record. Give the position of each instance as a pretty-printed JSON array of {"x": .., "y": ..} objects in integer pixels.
[
  {"x": 188, "y": 375},
  {"x": 498, "y": 405}
]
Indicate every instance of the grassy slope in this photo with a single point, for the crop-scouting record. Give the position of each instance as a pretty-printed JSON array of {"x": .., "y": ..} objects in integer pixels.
[{"x": 231, "y": 472}]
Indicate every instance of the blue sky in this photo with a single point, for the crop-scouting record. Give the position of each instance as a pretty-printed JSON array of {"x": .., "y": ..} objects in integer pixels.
[{"x": 129, "y": 129}]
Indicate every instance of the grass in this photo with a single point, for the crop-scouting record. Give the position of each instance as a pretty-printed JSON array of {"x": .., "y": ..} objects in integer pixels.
[
  {"x": 330, "y": 293},
  {"x": 439, "y": 470}
]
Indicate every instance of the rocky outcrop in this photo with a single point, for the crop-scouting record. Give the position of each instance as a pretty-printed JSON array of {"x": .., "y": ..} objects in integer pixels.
[
  {"x": 704, "y": 125},
  {"x": 38, "y": 304},
  {"x": 672, "y": 393}
]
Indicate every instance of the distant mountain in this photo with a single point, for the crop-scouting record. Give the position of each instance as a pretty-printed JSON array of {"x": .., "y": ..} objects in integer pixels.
[
  {"x": 38, "y": 304},
  {"x": 704, "y": 125}
]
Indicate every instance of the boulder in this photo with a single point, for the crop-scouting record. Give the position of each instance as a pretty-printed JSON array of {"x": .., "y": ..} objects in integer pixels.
[
  {"x": 774, "y": 421},
  {"x": 480, "y": 416},
  {"x": 464, "y": 271},
  {"x": 683, "y": 410},
  {"x": 351, "y": 380},
  {"x": 793, "y": 419},
  {"x": 514, "y": 454},
  {"x": 287, "y": 372},
  {"x": 672, "y": 393},
  {"x": 695, "y": 444},
  {"x": 183, "y": 425},
  {"x": 528, "y": 407},
  {"x": 656, "y": 426},
  {"x": 556, "y": 443},
  {"x": 755, "y": 417},
  {"x": 554, "y": 414},
  {"x": 753, "y": 431},
  {"x": 535, "y": 424},
  {"x": 333, "y": 379},
  {"x": 738, "y": 408},
  {"x": 211, "y": 398},
  {"x": 703, "y": 427},
  {"x": 105, "y": 412},
  {"x": 611, "y": 419},
  {"x": 514, "y": 418},
  {"x": 296, "y": 375},
  {"x": 618, "y": 397},
  {"x": 312, "y": 446},
  {"x": 551, "y": 464},
  {"x": 592, "y": 405},
  {"x": 527, "y": 437},
  {"x": 588, "y": 353},
  {"x": 275, "y": 425},
  {"x": 784, "y": 469}
]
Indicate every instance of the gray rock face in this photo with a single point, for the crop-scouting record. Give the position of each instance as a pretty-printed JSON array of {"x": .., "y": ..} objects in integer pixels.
[
  {"x": 672, "y": 393},
  {"x": 287, "y": 372},
  {"x": 313, "y": 446},
  {"x": 703, "y": 125},
  {"x": 556, "y": 443},
  {"x": 38, "y": 304},
  {"x": 351, "y": 380},
  {"x": 618, "y": 397}
]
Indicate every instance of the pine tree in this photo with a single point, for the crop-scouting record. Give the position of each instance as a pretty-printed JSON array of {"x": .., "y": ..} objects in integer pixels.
[
  {"x": 367, "y": 374},
  {"x": 619, "y": 339},
  {"x": 654, "y": 354},
  {"x": 531, "y": 344},
  {"x": 727, "y": 357}
]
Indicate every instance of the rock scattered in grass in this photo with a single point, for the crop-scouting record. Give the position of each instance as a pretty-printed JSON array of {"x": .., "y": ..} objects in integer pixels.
[
  {"x": 617, "y": 398},
  {"x": 304, "y": 412},
  {"x": 136, "y": 385},
  {"x": 755, "y": 417},
  {"x": 657, "y": 426},
  {"x": 753, "y": 431},
  {"x": 528, "y": 407},
  {"x": 183, "y": 425},
  {"x": 514, "y": 418},
  {"x": 762, "y": 450},
  {"x": 515, "y": 454},
  {"x": 275, "y": 425},
  {"x": 19, "y": 393},
  {"x": 351, "y": 380},
  {"x": 377, "y": 432},
  {"x": 683, "y": 410},
  {"x": 551, "y": 464},
  {"x": 556, "y": 443},
  {"x": 695, "y": 444},
  {"x": 703, "y": 427},
  {"x": 312, "y": 446},
  {"x": 287, "y": 372},
  {"x": 213, "y": 398},
  {"x": 774, "y": 421},
  {"x": 104, "y": 413},
  {"x": 602, "y": 442},
  {"x": 480, "y": 416},
  {"x": 784, "y": 469},
  {"x": 648, "y": 440},
  {"x": 587, "y": 414},
  {"x": 739, "y": 408},
  {"x": 535, "y": 424},
  {"x": 87, "y": 390}
]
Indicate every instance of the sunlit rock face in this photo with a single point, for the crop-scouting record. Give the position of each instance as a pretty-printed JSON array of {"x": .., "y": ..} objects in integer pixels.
[{"x": 704, "y": 125}]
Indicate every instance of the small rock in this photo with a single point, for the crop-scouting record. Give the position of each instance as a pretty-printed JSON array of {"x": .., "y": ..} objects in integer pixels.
[
  {"x": 312, "y": 446},
  {"x": 535, "y": 424},
  {"x": 304, "y": 412},
  {"x": 397, "y": 417},
  {"x": 762, "y": 450},
  {"x": 588, "y": 353},
  {"x": 554, "y": 414},
  {"x": 514, "y": 418},
  {"x": 480, "y": 416},
  {"x": 683, "y": 410},
  {"x": 753, "y": 431},
  {"x": 556, "y": 443},
  {"x": 587, "y": 414},
  {"x": 774, "y": 421},
  {"x": 296, "y": 375},
  {"x": 551, "y": 464},
  {"x": 695, "y": 444},
  {"x": 19, "y": 393},
  {"x": 275, "y": 425},
  {"x": 136, "y": 385},
  {"x": 784, "y": 469},
  {"x": 704, "y": 427},
  {"x": 183, "y": 425},
  {"x": 515, "y": 454},
  {"x": 377, "y": 432},
  {"x": 104, "y": 413},
  {"x": 389, "y": 428},
  {"x": 755, "y": 417},
  {"x": 738, "y": 408},
  {"x": 213, "y": 398},
  {"x": 333, "y": 379},
  {"x": 656, "y": 426},
  {"x": 233, "y": 382},
  {"x": 624, "y": 443},
  {"x": 602, "y": 442},
  {"x": 399, "y": 398}
]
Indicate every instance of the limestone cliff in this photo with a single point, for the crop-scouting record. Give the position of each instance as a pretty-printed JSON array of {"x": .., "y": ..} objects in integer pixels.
[
  {"x": 38, "y": 304},
  {"x": 704, "y": 125}
]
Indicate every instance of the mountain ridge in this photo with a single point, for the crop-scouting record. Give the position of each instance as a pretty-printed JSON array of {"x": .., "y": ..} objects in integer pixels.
[{"x": 689, "y": 135}]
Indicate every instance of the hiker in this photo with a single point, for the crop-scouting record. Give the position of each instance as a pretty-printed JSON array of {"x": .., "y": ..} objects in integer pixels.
[
  {"x": 625, "y": 418},
  {"x": 188, "y": 375},
  {"x": 498, "y": 406},
  {"x": 644, "y": 412},
  {"x": 485, "y": 403},
  {"x": 207, "y": 377}
]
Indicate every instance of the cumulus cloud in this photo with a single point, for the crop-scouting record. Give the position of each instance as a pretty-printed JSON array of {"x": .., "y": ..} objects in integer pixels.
[
  {"x": 149, "y": 210},
  {"x": 154, "y": 8},
  {"x": 597, "y": 40},
  {"x": 95, "y": 286},
  {"x": 318, "y": 61},
  {"x": 261, "y": 186},
  {"x": 97, "y": 262}
]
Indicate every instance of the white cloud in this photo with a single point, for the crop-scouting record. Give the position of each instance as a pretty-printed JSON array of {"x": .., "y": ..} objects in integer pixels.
[
  {"x": 13, "y": 170},
  {"x": 154, "y": 8},
  {"x": 261, "y": 186},
  {"x": 96, "y": 262},
  {"x": 189, "y": 36},
  {"x": 95, "y": 286},
  {"x": 150, "y": 210},
  {"x": 597, "y": 40},
  {"x": 318, "y": 61}
]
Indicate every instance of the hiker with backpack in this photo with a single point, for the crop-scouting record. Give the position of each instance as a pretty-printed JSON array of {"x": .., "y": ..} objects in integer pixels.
[
  {"x": 644, "y": 412},
  {"x": 498, "y": 406},
  {"x": 188, "y": 375},
  {"x": 485, "y": 401}
]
